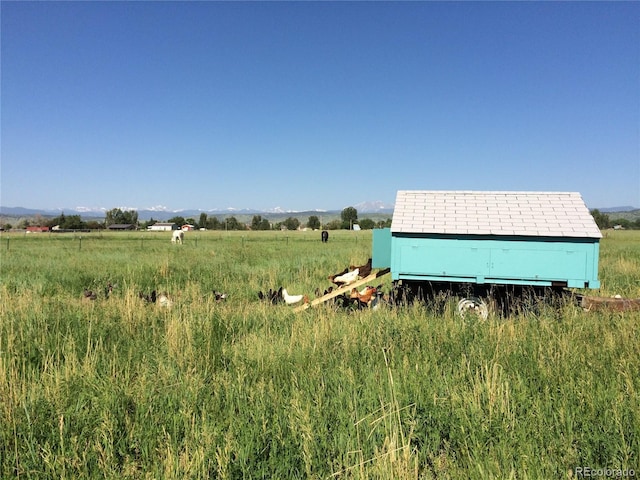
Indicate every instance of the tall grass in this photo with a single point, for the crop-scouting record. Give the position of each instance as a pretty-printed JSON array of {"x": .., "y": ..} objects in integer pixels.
[{"x": 240, "y": 389}]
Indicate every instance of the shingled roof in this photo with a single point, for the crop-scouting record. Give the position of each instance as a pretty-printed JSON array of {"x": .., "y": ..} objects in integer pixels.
[{"x": 548, "y": 214}]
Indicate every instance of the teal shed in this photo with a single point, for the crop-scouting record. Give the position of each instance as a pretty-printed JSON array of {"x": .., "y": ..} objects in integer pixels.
[{"x": 485, "y": 237}]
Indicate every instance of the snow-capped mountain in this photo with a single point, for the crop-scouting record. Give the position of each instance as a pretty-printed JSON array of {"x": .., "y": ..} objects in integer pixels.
[{"x": 374, "y": 207}]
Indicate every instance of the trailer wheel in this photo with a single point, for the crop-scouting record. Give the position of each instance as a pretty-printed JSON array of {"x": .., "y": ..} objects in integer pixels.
[{"x": 473, "y": 306}]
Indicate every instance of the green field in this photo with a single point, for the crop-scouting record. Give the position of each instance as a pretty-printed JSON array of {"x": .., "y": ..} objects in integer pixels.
[{"x": 118, "y": 388}]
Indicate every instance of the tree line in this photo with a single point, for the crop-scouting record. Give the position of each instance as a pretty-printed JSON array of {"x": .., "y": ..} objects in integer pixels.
[
  {"x": 348, "y": 218},
  {"x": 604, "y": 222},
  {"x": 117, "y": 216}
]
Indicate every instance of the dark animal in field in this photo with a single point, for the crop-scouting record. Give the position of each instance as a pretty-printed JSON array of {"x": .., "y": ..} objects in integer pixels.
[
  {"x": 108, "y": 290},
  {"x": 219, "y": 296},
  {"x": 89, "y": 295},
  {"x": 401, "y": 295},
  {"x": 345, "y": 302},
  {"x": 151, "y": 298},
  {"x": 272, "y": 296},
  {"x": 93, "y": 294},
  {"x": 320, "y": 293},
  {"x": 365, "y": 270},
  {"x": 377, "y": 300},
  {"x": 325, "y": 236},
  {"x": 342, "y": 301}
]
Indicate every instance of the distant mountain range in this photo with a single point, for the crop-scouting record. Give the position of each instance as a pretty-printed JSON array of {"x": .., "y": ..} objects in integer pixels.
[
  {"x": 163, "y": 214},
  {"x": 618, "y": 209}
]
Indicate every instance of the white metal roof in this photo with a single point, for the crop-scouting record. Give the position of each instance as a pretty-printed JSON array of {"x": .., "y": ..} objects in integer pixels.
[{"x": 550, "y": 214}]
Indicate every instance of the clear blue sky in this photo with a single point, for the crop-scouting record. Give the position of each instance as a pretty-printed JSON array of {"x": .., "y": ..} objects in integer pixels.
[{"x": 305, "y": 105}]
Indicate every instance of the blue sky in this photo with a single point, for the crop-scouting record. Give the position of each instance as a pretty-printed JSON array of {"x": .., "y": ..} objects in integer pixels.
[{"x": 305, "y": 105}]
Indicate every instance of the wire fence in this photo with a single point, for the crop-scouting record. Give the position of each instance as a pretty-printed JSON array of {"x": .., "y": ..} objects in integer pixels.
[{"x": 84, "y": 239}]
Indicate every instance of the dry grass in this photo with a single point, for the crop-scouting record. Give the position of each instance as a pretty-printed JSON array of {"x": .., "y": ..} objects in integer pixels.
[{"x": 120, "y": 388}]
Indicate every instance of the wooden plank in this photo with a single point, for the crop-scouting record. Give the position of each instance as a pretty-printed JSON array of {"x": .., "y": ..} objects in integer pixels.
[
  {"x": 341, "y": 290},
  {"x": 611, "y": 304}
]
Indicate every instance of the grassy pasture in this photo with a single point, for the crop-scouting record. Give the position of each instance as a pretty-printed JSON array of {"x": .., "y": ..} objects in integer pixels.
[{"x": 118, "y": 388}]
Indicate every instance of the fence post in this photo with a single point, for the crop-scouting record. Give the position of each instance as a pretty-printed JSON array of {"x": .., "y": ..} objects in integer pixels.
[{"x": 80, "y": 244}]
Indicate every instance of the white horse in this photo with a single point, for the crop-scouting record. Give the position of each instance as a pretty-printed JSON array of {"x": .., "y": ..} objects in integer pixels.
[{"x": 177, "y": 237}]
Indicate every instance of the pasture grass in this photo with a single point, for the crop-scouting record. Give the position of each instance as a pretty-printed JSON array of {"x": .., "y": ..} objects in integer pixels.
[{"x": 118, "y": 388}]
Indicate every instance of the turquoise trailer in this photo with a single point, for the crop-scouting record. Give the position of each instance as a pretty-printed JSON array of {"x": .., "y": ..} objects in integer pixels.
[{"x": 484, "y": 239}]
